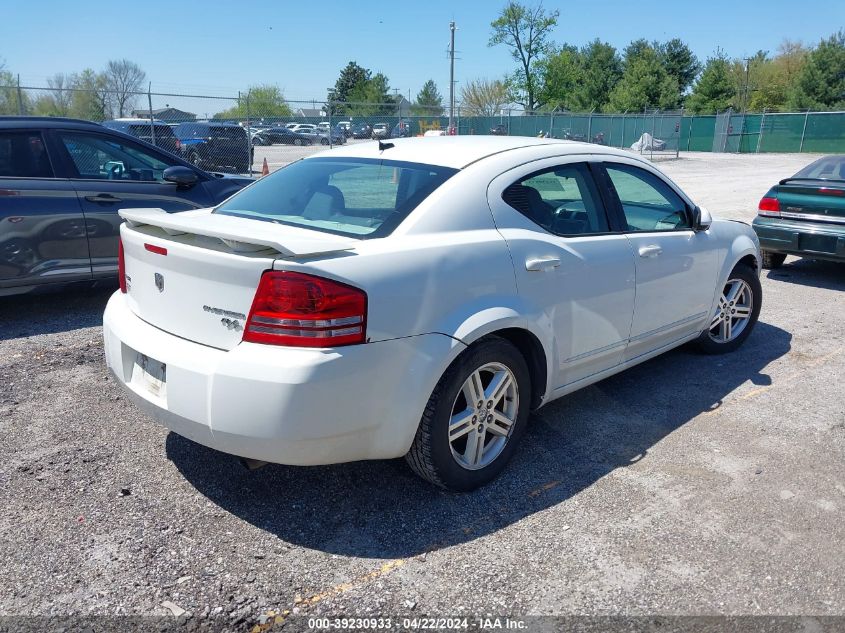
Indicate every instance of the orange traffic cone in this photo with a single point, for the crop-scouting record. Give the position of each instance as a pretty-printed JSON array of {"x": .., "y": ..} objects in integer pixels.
[{"x": 265, "y": 170}]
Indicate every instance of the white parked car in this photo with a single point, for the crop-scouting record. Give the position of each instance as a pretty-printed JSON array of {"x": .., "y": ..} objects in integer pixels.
[{"x": 418, "y": 300}]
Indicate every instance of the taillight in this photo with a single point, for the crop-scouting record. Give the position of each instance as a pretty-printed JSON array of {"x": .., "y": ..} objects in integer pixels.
[
  {"x": 178, "y": 144},
  {"x": 306, "y": 311},
  {"x": 827, "y": 191},
  {"x": 769, "y": 207},
  {"x": 121, "y": 266}
]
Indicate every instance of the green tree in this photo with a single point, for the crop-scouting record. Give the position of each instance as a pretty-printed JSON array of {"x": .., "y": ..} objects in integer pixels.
[
  {"x": 372, "y": 97},
  {"x": 352, "y": 77},
  {"x": 525, "y": 31},
  {"x": 634, "y": 50},
  {"x": 89, "y": 99},
  {"x": 602, "y": 71},
  {"x": 820, "y": 85},
  {"x": 644, "y": 84},
  {"x": 562, "y": 75},
  {"x": 715, "y": 89},
  {"x": 773, "y": 79},
  {"x": 429, "y": 100},
  {"x": 265, "y": 101},
  {"x": 9, "y": 94},
  {"x": 482, "y": 97},
  {"x": 679, "y": 62}
]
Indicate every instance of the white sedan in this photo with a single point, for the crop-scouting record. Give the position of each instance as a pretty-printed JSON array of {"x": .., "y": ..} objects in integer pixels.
[{"x": 417, "y": 298}]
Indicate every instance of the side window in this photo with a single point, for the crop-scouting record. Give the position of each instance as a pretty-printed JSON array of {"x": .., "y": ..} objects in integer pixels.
[
  {"x": 563, "y": 200},
  {"x": 23, "y": 155},
  {"x": 649, "y": 204},
  {"x": 101, "y": 157}
]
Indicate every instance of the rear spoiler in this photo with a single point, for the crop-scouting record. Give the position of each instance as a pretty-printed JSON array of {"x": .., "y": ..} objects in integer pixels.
[
  {"x": 242, "y": 235},
  {"x": 836, "y": 183}
]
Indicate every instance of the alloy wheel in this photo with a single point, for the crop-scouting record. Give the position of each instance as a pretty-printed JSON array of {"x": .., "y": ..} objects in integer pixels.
[
  {"x": 483, "y": 416},
  {"x": 733, "y": 311}
]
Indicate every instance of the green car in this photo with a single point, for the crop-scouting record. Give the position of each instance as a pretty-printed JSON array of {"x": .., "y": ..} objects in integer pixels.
[{"x": 805, "y": 215}]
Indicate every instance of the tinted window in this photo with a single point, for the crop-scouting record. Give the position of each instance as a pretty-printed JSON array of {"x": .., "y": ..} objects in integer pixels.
[
  {"x": 23, "y": 155},
  {"x": 228, "y": 133},
  {"x": 354, "y": 197},
  {"x": 827, "y": 168},
  {"x": 563, "y": 200},
  {"x": 143, "y": 131},
  {"x": 649, "y": 204},
  {"x": 106, "y": 158}
]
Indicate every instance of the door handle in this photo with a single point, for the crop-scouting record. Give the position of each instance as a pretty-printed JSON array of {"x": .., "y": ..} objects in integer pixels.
[
  {"x": 650, "y": 251},
  {"x": 103, "y": 197},
  {"x": 542, "y": 264}
]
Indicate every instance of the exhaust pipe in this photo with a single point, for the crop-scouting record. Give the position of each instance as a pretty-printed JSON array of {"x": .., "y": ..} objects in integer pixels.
[{"x": 251, "y": 464}]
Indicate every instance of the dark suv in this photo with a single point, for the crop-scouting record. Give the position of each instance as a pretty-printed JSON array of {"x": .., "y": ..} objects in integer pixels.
[
  {"x": 213, "y": 145},
  {"x": 62, "y": 182},
  {"x": 156, "y": 133}
]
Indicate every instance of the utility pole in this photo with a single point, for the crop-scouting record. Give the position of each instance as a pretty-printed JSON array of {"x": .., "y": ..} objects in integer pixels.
[{"x": 451, "y": 77}]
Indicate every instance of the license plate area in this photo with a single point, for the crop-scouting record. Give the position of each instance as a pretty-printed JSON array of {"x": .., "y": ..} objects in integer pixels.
[
  {"x": 817, "y": 243},
  {"x": 149, "y": 376}
]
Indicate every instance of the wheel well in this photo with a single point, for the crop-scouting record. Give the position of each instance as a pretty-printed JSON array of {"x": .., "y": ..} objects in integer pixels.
[
  {"x": 751, "y": 262},
  {"x": 535, "y": 357}
]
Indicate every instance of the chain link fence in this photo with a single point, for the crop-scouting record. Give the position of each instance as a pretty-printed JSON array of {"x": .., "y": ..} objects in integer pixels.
[{"x": 240, "y": 133}]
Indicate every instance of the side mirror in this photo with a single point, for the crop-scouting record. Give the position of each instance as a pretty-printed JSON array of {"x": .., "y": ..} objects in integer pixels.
[
  {"x": 701, "y": 219},
  {"x": 181, "y": 176}
]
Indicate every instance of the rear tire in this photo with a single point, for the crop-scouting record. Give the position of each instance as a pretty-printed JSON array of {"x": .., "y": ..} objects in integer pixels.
[
  {"x": 772, "y": 260},
  {"x": 460, "y": 446},
  {"x": 729, "y": 325}
]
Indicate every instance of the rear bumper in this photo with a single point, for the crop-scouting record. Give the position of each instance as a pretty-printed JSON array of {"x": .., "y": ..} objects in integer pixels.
[
  {"x": 817, "y": 240},
  {"x": 280, "y": 404}
]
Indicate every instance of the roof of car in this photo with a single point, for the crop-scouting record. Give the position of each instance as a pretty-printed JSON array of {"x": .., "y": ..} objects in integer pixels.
[
  {"x": 459, "y": 151},
  {"x": 45, "y": 122},
  {"x": 135, "y": 120},
  {"x": 215, "y": 123}
]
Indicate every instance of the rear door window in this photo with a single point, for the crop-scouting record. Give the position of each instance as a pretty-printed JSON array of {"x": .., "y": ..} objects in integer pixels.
[
  {"x": 24, "y": 155},
  {"x": 563, "y": 200}
]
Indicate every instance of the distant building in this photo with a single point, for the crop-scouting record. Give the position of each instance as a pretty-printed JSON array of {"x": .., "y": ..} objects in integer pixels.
[
  {"x": 171, "y": 115},
  {"x": 310, "y": 112}
]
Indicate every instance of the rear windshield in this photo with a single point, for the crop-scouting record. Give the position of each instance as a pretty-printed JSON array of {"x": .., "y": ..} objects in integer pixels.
[
  {"x": 356, "y": 197},
  {"x": 162, "y": 131},
  {"x": 228, "y": 133},
  {"x": 827, "y": 168}
]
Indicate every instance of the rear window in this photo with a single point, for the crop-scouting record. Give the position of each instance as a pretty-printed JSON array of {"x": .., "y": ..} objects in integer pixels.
[
  {"x": 143, "y": 131},
  {"x": 354, "y": 197},
  {"x": 227, "y": 133},
  {"x": 827, "y": 168}
]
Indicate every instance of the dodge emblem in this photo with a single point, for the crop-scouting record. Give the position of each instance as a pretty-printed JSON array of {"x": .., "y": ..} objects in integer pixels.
[{"x": 159, "y": 282}]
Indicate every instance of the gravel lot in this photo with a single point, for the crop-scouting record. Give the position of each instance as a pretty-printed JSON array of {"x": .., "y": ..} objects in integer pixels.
[{"x": 687, "y": 485}]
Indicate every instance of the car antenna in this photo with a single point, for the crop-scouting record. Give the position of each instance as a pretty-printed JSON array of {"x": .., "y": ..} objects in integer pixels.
[{"x": 384, "y": 146}]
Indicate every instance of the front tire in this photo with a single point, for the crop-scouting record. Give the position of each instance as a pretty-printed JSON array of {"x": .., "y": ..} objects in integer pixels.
[
  {"x": 474, "y": 418},
  {"x": 736, "y": 312},
  {"x": 772, "y": 260}
]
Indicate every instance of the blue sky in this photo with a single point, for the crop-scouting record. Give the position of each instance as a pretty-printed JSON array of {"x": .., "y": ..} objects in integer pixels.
[{"x": 189, "y": 46}]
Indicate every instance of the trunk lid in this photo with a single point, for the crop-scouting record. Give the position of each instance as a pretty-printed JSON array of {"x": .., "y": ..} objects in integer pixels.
[
  {"x": 194, "y": 274},
  {"x": 812, "y": 201}
]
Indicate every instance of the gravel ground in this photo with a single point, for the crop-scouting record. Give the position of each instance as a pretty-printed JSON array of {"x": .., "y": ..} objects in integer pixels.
[{"x": 687, "y": 485}]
